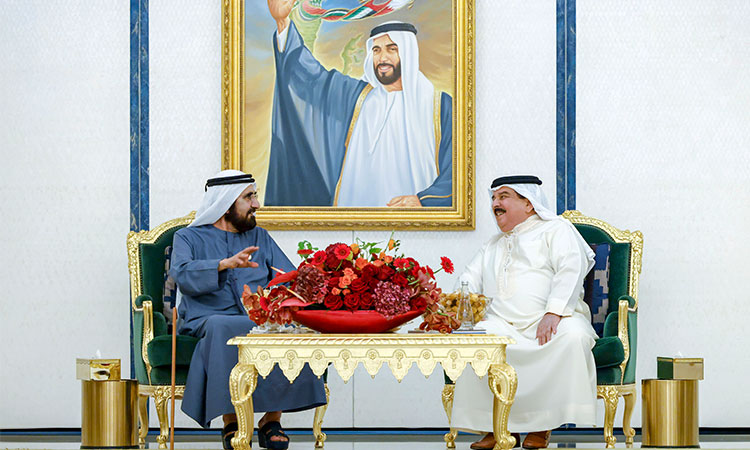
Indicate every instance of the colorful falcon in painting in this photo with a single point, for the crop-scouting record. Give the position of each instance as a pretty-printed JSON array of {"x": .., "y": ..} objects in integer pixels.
[{"x": 314, "y": 9}]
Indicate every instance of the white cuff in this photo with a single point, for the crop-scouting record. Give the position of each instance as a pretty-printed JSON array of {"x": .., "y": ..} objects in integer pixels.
[{"x": 281, "y": 37}]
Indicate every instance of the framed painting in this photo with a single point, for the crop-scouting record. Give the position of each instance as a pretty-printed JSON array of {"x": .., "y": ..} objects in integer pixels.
[{"x": 352, "y": 114}]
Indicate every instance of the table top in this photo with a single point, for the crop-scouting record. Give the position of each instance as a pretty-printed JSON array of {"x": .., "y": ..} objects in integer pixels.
[{"x": 318, "y": 339}]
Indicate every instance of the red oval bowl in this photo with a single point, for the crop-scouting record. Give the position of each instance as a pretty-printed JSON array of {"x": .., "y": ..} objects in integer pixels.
[{"x": 350, "y": 322}]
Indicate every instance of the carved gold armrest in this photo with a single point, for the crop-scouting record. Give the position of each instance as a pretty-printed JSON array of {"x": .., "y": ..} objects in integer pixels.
[
  {"x": 148, "y": 333},
  {"x": 623, "y": 310}
]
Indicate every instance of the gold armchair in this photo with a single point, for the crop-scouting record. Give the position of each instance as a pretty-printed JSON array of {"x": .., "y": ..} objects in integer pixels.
[{"x": 152, "y": 346}]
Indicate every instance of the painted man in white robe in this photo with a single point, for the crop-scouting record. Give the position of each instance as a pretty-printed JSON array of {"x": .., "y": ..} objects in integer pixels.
[
  {"x": 383, "y": 140},
  {"x": 534, "y": 271}
]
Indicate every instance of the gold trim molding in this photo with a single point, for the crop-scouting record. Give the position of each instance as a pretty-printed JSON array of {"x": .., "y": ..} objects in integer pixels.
[{"x": 460, "y": 216}]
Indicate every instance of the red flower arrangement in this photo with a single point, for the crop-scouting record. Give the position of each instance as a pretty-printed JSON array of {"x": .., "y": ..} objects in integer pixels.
[{"x": 356, "y": 277}]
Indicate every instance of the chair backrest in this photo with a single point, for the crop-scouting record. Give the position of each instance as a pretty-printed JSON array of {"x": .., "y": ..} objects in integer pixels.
[
  {"x": 626, "y": 251},
  {"x": 146, "y": 258}
]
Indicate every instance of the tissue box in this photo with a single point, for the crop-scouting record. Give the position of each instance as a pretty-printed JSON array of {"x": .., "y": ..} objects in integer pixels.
[
  {"x": 679, "y": 368},
  {"x": 97, "y": 369}
]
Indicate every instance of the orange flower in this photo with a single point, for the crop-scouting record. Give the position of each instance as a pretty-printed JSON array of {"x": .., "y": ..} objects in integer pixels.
[
  {"x": 355, "y": 248},
  {"x": 360, "y": 263},
  {"x": 345, "y": 281},
  {"x": 387, "y": 259},
  {"x": 391, "y": 244},
  {"x": 349, "y": 273}
]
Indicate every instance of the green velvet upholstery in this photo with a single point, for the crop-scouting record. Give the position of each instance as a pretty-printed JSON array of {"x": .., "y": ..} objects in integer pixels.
[
  {"x": 163, "y": 375},
  {"x": 608, "y": 352},
  {"x": 160, "y": 350}
]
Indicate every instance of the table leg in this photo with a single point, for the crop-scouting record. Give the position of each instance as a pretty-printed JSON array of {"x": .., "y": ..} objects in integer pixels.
[
  {"x": 447, "y": 397},
  {"x": 503, "y": 382},
  {"x": 242, "y": 383},
  {"x": 320, "y": 411}
]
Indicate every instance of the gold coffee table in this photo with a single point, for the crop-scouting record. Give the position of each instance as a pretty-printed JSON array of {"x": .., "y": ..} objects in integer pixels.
[{"x": 260, "y": 352}]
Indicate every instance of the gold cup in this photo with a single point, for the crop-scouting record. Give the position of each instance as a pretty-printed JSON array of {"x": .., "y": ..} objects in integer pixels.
[{"x": 109, "y": 414}]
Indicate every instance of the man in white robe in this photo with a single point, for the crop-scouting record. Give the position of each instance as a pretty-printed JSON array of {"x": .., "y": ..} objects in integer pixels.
[{"x": 533, "y": 271}]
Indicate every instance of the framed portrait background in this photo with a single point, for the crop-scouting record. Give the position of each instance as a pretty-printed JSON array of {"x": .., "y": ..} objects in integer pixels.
[{"x": 311, "y": 112}]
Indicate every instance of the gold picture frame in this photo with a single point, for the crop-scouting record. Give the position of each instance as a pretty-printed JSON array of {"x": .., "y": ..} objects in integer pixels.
[{"x": 459, "y": 216}]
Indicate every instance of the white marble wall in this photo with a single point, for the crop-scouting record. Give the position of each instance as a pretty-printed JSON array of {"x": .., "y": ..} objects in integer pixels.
[
  {"x": 64, "y": 190},
  {"x": 663, "y": 146},
  {"x": 663, "y": 105}
]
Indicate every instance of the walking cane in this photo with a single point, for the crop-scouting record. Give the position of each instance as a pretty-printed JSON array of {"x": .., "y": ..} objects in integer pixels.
[{"x": 174, "y": 369}]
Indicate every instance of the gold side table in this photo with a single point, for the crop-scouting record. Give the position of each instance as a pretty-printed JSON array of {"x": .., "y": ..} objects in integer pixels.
[
  {"x": 259, "y": 353},
  {"x": 670, "y": 413}
]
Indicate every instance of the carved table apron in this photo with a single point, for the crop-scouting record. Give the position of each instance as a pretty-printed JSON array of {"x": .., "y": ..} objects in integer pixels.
[{"x": 259, "y": 352}]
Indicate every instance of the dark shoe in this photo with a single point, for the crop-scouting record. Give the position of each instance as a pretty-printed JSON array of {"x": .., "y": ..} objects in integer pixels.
[
  {"x": 227, "y": 433},
  {"x": 537, "y": 439},
  {"x": 490, "y": 444},
  {"x": 269, "y": 430}
]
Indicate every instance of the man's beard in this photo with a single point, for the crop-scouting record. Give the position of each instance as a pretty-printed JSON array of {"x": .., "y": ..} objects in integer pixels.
[
  {"x": 389, "y": 79},
  {"x": 239, "y": 222}
]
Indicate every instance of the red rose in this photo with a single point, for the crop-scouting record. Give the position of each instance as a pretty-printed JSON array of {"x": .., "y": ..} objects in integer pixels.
[
  {"x": 369, "y": 271},
  {"x": 333, "y": 302},
  {"x": 372, "y": 282},
  {"x": 447, "y": 264},
  {"x": 400, "y": 280},
  {"x": 358, "y": 285},
  {"x": 333, "y": 282},
  {"x": 351, "y": 301},
  {"x": 342, "y": 251},
  {"x": 418, "y": 303},
  {"x": 365, "y": 300},
  {"x": 385, "y": 273},
  {"x": 318, "y": 258}
]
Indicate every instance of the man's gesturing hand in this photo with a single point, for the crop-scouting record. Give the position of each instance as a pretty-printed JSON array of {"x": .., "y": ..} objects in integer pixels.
[
  {"x": 241, "y": 259},
  {"x": 547, "y": 327},
  {"x": 280, "y": 10}
]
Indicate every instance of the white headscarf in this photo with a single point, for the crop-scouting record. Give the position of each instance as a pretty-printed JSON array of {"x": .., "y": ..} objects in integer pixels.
[
  {"x": 534, "y": 194},
  {"x": 218, "y": 199},
  {"x": 418, "y": 94}
]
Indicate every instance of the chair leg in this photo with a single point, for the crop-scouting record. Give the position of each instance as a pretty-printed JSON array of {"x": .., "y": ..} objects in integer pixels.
[
  {"x": 320, "y": 412},
  {"x": 629, "y": 397},
  {"x": 609, "y": 394},
  {"x": 161, "y": 399},
  {"x": 450, "y": 437},
  {"x": 143, "y": 419}
]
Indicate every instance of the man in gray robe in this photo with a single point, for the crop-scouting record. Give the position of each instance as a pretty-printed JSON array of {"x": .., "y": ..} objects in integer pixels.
[{"x": 212, "y": 259}]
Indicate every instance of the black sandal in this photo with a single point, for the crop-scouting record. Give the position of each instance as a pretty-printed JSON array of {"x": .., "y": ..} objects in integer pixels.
[
  {"x": 269, "y": 430},
  {"x": 227, "y": 433}
]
